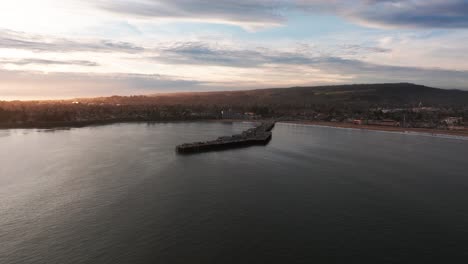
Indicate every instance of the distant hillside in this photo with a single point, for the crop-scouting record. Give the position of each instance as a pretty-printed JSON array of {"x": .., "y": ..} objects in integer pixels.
[
  {"x": 396, "y": 94},
  {"x": 324, "y": 103}
]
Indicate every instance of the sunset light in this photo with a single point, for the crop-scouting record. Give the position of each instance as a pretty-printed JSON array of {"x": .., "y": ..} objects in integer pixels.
[
  {"x": 225, "y": 45},
  {"x": 233, "y": 131}
]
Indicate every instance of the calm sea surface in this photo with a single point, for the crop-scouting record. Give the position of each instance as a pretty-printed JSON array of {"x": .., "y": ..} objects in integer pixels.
[{"x": 120, "y": 194}]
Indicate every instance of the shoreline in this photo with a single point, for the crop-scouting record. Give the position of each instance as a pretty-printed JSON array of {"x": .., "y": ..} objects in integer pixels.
[
  {"x": 428, "y": 131},
  {"x": 80, "y": 124},
  {"x": 59, "y": 125}
]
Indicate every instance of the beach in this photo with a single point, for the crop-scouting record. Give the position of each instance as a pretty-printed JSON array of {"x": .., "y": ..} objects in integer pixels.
[{"x": 460, "y": 133}]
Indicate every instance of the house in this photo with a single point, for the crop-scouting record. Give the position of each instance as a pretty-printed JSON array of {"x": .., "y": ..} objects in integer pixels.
[
  {"x": 358, "y": 122},
  {"x": 229, "y": 114},
  {"x": 251, "y": 115},
  {"x": 453, "y": 121}
]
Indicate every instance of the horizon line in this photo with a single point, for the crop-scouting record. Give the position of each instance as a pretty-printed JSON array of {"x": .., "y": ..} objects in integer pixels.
[{"x": 217, "y": 91}]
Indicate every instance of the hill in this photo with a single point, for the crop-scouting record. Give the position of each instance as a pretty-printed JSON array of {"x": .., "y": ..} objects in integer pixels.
[
  {"x": 399, "y": 102},
  {"x": 393, "y": 94}
]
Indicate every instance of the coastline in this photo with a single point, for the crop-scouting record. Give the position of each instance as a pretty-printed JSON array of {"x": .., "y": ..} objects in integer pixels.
[
  {"x": 79, "y": 124},
  {"x": 52, "y": 125},
  {"x": 428, "y": 131}
]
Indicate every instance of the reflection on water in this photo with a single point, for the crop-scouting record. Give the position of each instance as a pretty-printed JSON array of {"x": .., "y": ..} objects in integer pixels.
[{"x": 120, "y": 194}]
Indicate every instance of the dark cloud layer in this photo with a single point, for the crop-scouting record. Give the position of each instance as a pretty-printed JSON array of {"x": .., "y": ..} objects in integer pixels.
[
  {"x": 397, "y": 13},
  {"x": 414, "y": 13}
]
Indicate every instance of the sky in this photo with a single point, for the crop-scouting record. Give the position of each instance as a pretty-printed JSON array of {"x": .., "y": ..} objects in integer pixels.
[{"x": 52, "y": 49}]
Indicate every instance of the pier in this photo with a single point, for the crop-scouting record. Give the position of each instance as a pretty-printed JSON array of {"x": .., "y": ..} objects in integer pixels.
[{"x": 259, "y": 135}]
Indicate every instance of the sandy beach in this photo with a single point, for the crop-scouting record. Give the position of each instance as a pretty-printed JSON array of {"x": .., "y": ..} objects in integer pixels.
[{"x": 462, "y": 133}]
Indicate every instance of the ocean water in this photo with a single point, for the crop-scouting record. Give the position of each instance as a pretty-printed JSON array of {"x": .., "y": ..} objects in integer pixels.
[{"x": 120, "y": 194}]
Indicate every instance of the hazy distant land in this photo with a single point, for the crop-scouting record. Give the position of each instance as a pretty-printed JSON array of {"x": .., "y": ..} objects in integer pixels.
[{"x": 400, "y": 106}]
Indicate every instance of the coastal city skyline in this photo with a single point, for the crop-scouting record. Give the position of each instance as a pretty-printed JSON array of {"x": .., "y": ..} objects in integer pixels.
[{"x": 64, "y": 49}]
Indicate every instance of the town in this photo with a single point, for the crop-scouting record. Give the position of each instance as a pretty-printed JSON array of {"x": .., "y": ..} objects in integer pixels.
[{"x": 357, "y": 105}]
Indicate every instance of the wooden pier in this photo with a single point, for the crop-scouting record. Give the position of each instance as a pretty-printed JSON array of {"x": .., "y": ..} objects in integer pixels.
[{"x": 259, "y": 135}]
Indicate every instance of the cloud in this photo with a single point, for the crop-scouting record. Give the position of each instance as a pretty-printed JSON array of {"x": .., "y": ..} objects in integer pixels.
[
  {"x": 28, "y": 61},
  {"x": 202, "y": 53},
  {"x": 305, "y": 66},
  {"x": 247, "y": 13},
  {"x": 38, "y": 43},
  {"x": 412, "y": 13},
  {"x": 251, "y": 14},
  {"x": 249, "y": 69},
  {"x": 354, "y": 49},
  {"x": 365, "y": 72},
  {"x": 29, "y": 84}
]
